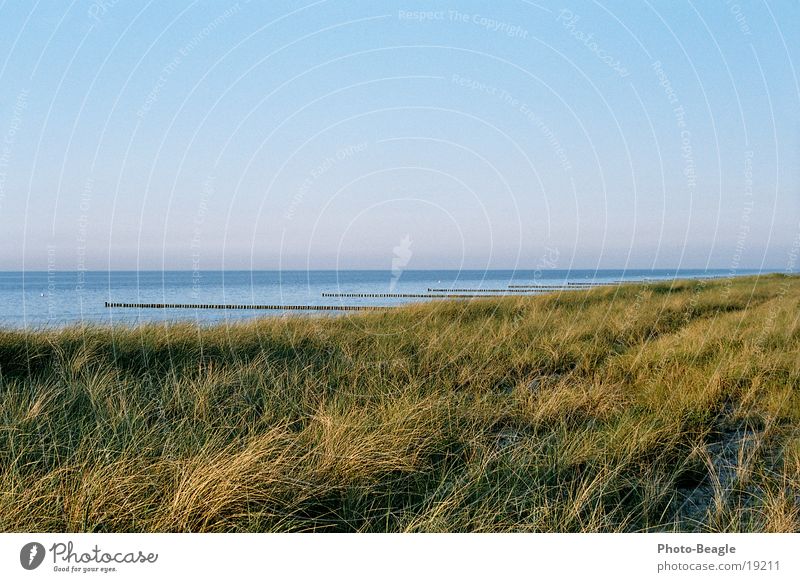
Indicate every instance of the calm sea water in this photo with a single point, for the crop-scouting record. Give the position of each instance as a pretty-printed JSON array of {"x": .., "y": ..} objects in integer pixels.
[{"x": 39, "y": 299}]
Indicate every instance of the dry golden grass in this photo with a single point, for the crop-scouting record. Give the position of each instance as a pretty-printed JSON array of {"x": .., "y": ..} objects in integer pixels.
[{"x": 669, "y": 407}]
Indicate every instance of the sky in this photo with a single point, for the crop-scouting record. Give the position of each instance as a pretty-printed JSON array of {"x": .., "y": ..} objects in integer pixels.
[{"x": 327, "y": 134}]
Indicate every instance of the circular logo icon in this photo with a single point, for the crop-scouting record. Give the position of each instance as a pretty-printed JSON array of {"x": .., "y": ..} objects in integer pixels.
[{"x": 31, "y": 555}]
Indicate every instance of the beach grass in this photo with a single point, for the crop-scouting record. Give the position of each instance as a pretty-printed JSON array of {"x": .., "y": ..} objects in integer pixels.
[{"x": 656, "y": 407}]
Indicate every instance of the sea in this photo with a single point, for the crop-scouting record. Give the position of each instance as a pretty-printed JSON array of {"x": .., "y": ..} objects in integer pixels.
[{"x": 45, "y": 299}]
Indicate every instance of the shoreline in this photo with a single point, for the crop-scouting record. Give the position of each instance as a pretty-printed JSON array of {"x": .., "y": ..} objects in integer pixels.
[{"x": 132, "y": 313}]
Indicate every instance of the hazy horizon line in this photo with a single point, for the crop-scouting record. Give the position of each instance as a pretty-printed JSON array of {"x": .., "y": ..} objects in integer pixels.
[{"x": 764, "y": 270}]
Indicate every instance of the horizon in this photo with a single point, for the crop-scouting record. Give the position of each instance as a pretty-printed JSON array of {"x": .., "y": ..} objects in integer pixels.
[{"x": 741, "y": 270}]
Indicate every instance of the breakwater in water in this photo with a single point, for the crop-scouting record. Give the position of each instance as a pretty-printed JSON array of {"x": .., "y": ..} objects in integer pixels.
[{"x": 234, "y": 306}]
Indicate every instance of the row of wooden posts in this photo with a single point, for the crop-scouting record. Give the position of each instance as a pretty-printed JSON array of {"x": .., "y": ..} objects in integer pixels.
[{"x": 442, "y": 294}]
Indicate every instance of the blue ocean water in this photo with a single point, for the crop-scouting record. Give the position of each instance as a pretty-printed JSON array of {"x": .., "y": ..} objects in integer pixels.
[{"x": 56, "y": 298}]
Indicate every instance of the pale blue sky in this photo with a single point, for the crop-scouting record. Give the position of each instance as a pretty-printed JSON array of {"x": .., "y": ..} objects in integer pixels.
[{"x": 320, "y": 134}]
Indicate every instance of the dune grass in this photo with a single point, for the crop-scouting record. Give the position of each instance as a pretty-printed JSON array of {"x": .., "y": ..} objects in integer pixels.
[{"x": 661, "y": 407}]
